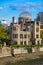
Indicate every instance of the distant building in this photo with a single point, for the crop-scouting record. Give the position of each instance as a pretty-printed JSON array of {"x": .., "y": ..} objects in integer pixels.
[
  {"x": 0, "y": 21},
  {"x": 40, "y": 17},
  {"x": 26, "y": 31},
  {"x": 4, "y": 23}
]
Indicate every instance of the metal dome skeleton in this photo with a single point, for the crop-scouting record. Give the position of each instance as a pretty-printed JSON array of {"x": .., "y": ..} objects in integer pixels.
[{"x": 24, "y": 14}]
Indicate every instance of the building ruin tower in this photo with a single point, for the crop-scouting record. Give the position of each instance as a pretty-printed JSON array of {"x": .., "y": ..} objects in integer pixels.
[{"x": 25, "y": 31}]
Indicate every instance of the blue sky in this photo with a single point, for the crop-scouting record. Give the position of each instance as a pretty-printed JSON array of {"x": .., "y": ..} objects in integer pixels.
[{"x": 10, "y": 8}]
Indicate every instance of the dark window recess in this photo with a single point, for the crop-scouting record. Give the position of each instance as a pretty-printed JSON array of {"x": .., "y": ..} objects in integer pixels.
[
  {"x": 24, "y": 29},
  {"x": 24, "y": 42},
  {"x": 37, "y": 23},
  {"x": 26, "y": 20},
  {"x": 15, "y": 35},
  {"x": 21, "y": 35},
  {"x": 27, "y": 29},
  {"x": 41, "y": 26},
  {"x": 31, "y": 34},
  {"x": 37, "y": 36},
  {"x": 37, "y": 29},
  {"x": 14, "y": 28},
  {"x": 24, "y": 24},
  {"x": 38, "y": 42},
  {"x": 28, "y": 36},
  {"x": 15, "y": 42},
  {"x": 25, "y": 36},
  {"x": 20, "y": 22},
  {"x": 42, "y": 41},
  {"x": 21, "y": 42}
]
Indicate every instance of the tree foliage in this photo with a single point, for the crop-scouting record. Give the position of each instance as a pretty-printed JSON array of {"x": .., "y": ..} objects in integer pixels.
[
  {"x": 4, "y": 34},
  {"x": 41, "y": 34}
]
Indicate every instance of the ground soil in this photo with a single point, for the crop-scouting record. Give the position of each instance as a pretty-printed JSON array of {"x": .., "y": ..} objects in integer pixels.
[{"x": 23, "y": 59}]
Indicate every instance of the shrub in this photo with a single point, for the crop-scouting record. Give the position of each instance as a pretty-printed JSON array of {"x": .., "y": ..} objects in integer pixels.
[
  {"x": 37, "y": 45},
  {"x": 17, "y": 46},
  {"x": 29, "y": 49}
]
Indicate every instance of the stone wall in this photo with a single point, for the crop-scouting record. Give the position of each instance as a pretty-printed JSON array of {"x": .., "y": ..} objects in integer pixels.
[
  {"x": 0, "y": 51},
  {"x": 5, "y": 51},
  {"x": 20, "y": 50},
  {"x": 36, "y": 49}
]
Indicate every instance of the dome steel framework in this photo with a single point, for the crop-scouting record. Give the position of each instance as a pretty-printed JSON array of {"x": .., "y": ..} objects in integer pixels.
[{"x": 24, "y": 14}]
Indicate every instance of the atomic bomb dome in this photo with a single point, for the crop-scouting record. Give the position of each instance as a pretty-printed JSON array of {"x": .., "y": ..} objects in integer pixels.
[{"x": 25, "y": 16}]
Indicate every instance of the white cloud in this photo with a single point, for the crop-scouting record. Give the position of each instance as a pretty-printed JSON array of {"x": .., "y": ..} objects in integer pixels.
[
  {"x": 32, "y": 4},
  {"x": 1, "y": 8},
  {"x": 26, "y": 6}
]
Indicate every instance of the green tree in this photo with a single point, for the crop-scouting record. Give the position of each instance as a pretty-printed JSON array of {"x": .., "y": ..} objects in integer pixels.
[
  {"x": 4, "y": 34},
  {"x": 41, "y": 34}
]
